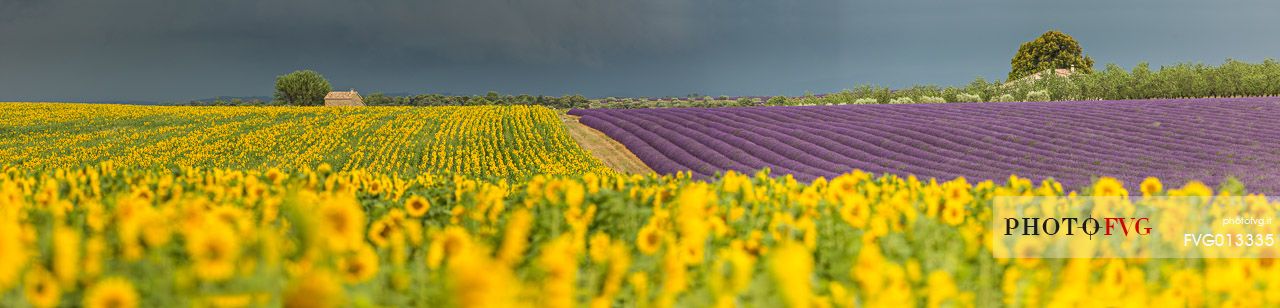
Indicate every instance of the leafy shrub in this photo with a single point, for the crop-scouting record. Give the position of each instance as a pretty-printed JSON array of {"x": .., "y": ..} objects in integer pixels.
[
  {"x": 1038, "y": 96},
  {"x": 968, "y": 98},
  {"x": 865, "y": 101},
  {"x": 932, "y": 100},
  {"x": 303, "y": 88},
  {"x": 1004, "y": 98},
  {"x": 777, "y": 101},
  {"x": 902, "y": 100}
]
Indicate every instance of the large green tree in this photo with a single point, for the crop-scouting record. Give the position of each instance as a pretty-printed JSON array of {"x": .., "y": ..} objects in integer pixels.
[
  {"x": 1051, "y": 50},
  {"x": 302, "y": 88}
]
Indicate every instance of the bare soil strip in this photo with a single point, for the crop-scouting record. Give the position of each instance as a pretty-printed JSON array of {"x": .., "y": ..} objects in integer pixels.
[{"x": 613, "y": 154}]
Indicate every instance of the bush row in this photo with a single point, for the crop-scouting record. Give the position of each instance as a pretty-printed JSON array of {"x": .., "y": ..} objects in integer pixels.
[{"x": 1232, "y": 78}]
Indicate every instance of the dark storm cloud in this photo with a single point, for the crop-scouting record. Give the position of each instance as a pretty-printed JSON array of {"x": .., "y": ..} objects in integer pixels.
[
  {"x": 541, "y": 30},
  {"x": 135, "y": 44},
  {"x": 172, "y": 50}
]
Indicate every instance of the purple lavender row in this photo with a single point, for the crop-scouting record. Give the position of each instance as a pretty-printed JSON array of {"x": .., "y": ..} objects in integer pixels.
[
  {"x": 1045, "y": 148},
  {"x": 996, "y": 156},
  {"x": 1183, "y": 137},
  {"x": 1197, "y": 144},
  {"x": 1073, "y": 142},
  {"x": 783, "y": 164}
]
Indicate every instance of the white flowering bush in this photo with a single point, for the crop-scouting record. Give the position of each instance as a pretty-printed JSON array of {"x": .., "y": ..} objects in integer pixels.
[
  {"x": 932, "y": 100},
  {"x": 966, "y": 97},
  {"x": 902, "y": 100}
]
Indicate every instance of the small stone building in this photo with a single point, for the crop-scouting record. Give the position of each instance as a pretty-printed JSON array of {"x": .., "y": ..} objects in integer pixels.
[
  {"x": 343, "y": 98},
  {"x": 1061, "y": 72}
]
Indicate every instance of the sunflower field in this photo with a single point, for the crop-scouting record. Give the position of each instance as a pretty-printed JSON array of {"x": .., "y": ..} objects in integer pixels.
[
  {"x": 110, "y": 236},
  {"x": 480, "y": 141},
  {"x": 487, "y": 206}
]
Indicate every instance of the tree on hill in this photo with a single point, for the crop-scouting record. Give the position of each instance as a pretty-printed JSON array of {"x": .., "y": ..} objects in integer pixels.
[
  {"x": 302, "y": 88},
  {"x": 1052, "y": 50}
]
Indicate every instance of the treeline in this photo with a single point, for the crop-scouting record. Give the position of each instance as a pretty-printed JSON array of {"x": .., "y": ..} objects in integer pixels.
[
  {"x": 492, "y": 98},
  {"x": 379, "y": 99},
  {"x": 1183, "y": 80},
  {"x": 1232, "y": 78},
  {"x": 234, "y": 102}
]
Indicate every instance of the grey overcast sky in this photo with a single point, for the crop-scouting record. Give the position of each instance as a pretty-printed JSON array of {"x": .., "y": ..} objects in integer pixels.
[{"x": 166, "y": 50}]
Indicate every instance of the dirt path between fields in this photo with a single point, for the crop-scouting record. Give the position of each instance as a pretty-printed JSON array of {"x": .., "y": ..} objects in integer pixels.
[{"x": 613, "y": 154}]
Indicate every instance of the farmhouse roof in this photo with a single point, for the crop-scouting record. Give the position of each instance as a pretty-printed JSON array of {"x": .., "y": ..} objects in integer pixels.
[{"x": 342, "y": 95}]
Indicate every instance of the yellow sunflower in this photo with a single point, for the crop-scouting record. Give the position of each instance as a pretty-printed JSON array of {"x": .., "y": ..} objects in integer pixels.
[
  {"x": 417, "y": 206},
  {"x": 13, "y": 256},
  {"x": 276, "y": 176},
  {"x": 383, "y": 232},
  {"x": 94, "y": 250},
  {"x": 940, "y": 287},
  {"x": 953, "y": 214},
  {"x": 315, "y": 289},
  {"x": 1109, "y": 187},
  {"x": 516, "y": 238},
  {"x": 475, "y": 280},
  {"x": 214, "y": 250},
  {"x": 791, "y": 266},
  {"x": 574, "y": 193},
  {"x": 324, "y": 168},
  {"x": 359, "y": 266},
  {"x": 956, "y": 193},
  {"x": 66, "y": 255},
  {"x": 553, "y": 191},
  {"x": 1193, "y": 189},
  {"x": 227, "y": 301},
  {"x": 841, "y": 187},
  {"x": 648, "y": 239},
  {"x": 559, "y": 260},
  {"x": 1151, "y": 186},
  {"x": 599, "y": 247},
  {"x": 114, "y": 292},
  {"x": 41, "y": 288},
  {"x": 856, "y": 212},
  {"x": 447, "y": 244},
  {"x": 342, "y": 223}
]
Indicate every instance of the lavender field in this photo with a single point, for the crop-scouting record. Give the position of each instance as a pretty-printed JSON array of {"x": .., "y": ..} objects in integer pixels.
[{"x": 1176, "y": 140}]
